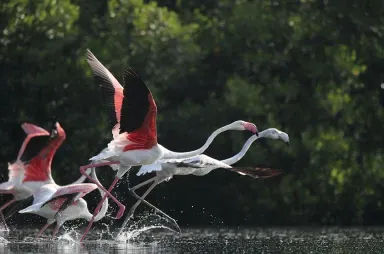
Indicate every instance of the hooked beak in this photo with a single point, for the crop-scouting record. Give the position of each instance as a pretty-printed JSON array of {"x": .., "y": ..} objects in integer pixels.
[
  {"x": 252, "y": 127},
  {"x": 288, "y": 143}
]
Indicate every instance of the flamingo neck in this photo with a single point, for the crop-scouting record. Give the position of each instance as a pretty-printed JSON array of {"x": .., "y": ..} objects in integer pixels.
[
  {"x": 177, "y": 155},
  {"x": 244, "y": 150}
]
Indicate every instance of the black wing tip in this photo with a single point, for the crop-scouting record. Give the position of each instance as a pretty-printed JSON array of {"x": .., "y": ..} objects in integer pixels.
[
  {"x": 258, "y": 172},
  {"x": 131, "y": 72}
]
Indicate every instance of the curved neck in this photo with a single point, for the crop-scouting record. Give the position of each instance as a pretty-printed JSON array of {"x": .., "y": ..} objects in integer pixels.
[
  {"x": 176, "y": 155},
  {"x": 243, "y": 150}
]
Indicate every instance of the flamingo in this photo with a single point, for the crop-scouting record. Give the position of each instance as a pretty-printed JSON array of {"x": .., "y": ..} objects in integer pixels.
[
  {"x": 63, "y": 203},
  {"x": 200, "y": 165},
  {"x": 32, "y": 168},
  {"x": 22, "y": 173},
  {"x": 133, "y": 112}
]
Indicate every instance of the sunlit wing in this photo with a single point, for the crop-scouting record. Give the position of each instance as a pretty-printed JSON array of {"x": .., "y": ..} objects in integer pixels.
[{"x": 111, "y": 89}]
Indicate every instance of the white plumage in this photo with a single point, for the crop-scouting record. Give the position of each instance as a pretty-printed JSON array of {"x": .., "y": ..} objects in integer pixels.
[{"x": 198, "y": 165}]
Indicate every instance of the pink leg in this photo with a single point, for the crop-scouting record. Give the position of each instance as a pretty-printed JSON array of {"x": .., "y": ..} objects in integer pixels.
[
  {"x": 55, "y": 230},
  {"x": 7, "y": 204},
  {"x": 3, "y": 207},
  {"x": 3, "y": 219},
  {"x": 99, "y": 207},
  {"x": 43, "y": 229},
  {"x": 108, "y": 192}
]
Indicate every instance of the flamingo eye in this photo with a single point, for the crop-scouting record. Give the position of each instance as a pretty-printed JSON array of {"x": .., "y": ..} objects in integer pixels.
[{"x": 54, "y": 133}]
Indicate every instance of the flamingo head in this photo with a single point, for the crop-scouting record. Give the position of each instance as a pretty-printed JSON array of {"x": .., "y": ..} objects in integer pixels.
[
  {"x": 57, "y": 131},
  {"x": 274, "y": 133},
  {"x": 245, "y": 126}
]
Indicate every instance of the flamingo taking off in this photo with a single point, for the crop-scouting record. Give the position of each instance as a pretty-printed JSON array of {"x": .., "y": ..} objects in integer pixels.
[
  {"x": 200, "y": 165},
  {"x": 133, "y": 112},
  {"x": 29, "y": 171},
  {"x": 63, "y": 203},
  {"x": 32, "y": 168}
]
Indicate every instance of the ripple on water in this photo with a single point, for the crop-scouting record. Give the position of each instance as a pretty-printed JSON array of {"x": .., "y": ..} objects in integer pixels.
[{"x": 154, "y": 239}]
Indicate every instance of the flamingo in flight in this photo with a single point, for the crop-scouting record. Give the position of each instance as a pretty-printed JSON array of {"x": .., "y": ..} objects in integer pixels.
[
  {"x": 201, "y": 165},
  {"x": 29, "y": 171},
  {"x": 133, "y": 112},
  {"x": 63, "y": 203}
]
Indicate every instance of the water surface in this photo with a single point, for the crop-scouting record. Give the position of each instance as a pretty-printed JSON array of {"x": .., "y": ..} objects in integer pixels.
[{"x": 258, "y": 240}]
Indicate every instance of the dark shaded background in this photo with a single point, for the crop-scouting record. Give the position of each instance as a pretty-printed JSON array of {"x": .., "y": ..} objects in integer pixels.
[{"x": 313, "y": 69}]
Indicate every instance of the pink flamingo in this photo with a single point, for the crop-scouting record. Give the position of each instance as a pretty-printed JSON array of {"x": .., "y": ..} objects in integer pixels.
[
  {"x": 32, "y": 168},
  {"x": 63, "y": 203},
  {"x": 133, "y": 113},
  {"x": 20, "y": 174}
]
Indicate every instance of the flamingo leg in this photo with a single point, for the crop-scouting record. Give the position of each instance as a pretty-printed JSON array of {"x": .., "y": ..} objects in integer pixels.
[
  {"x": 43, "y": 229},
  {"x": 132, "y": 210},
  {"x": 142, "y": 184},
  {"x": 2, "y": 208},
  {"x": 108, "y": 192},
  {"x": 99, "y": 207},
  {"x": 55, "y": 230},
  {"x": 141, "y": 199},
  {"x": 10, "y": 202},
  {"x": 3, "y": 219}
]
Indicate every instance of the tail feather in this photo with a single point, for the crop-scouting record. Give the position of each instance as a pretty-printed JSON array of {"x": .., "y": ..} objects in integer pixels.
[{"x": 255, "y": 172}]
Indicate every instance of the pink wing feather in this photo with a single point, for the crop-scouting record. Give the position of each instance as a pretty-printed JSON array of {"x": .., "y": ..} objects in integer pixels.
[
  {"x": 32, "y": 131},
  {"x": 16, "y": 169},
  {"x": 102, "y": 72},
  {"x": 83, "y": 188}
]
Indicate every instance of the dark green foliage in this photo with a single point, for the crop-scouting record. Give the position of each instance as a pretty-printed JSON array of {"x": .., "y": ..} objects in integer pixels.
[{"x": 313, "y": 69}]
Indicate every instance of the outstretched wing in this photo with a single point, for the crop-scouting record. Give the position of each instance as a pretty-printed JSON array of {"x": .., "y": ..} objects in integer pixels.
[
  {"x": 39, "y": 167},
  {"x": 111, "y": 89},
  {"x": 255, "y": 172},
  {"x": 145, "y": 169},
  {"x": 58, "y": 197},
  {"x": 200, "y": 161},
  {"x": 40, "y": 197},
  {"x": 36, "y": 139},
  {"x": 203, "y": 161},
  {"x": 138, "y": 103}
]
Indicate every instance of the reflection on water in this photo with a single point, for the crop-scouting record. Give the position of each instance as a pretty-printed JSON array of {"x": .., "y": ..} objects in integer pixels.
[{"x": 260, "y": 240}]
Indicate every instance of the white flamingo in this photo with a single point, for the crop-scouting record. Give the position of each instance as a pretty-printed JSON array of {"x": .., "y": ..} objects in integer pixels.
[
  {"x": 133, "y": 112},
  {"x": 63, "y": 203},
  {"x": 200, "y": 165}
]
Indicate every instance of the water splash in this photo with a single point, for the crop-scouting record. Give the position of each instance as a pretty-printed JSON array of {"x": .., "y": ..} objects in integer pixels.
[
  {"x": 137, "y": 228},
  {"x": 3, "y": 226},
  {"x": 68, "y": 237},
  {"x": 3, "y": 240},
  {"x": 131, "y": 235}
]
